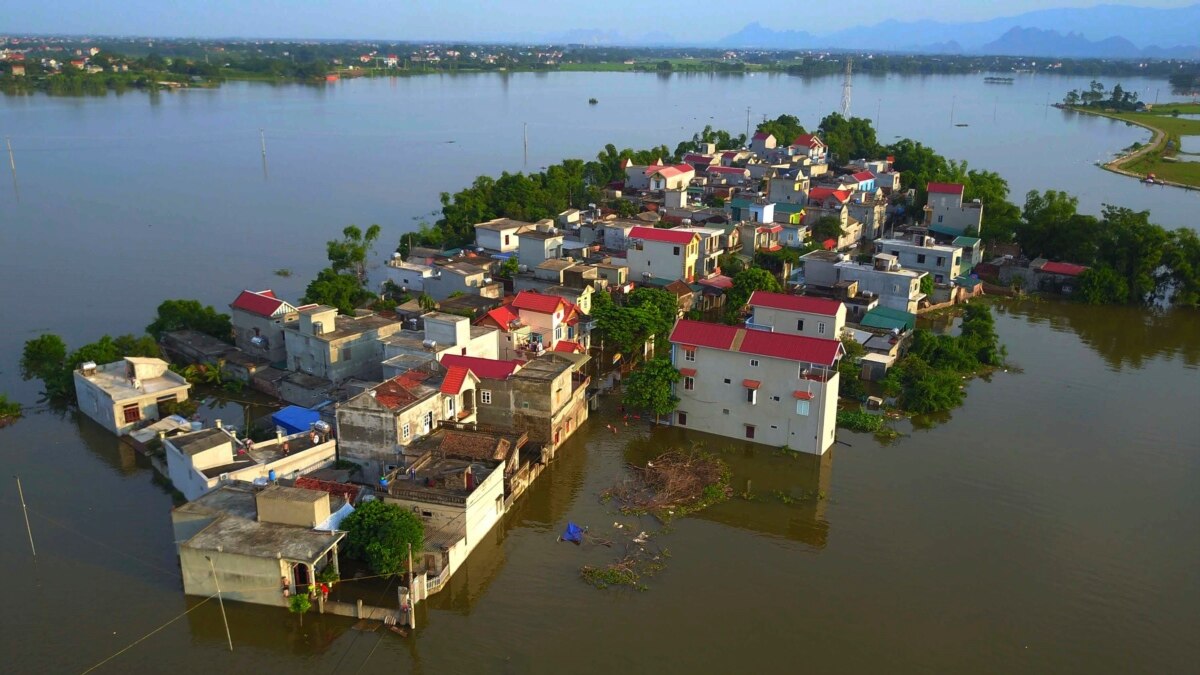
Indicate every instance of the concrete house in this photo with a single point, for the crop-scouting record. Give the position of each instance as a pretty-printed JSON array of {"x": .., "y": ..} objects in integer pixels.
[
  {"x": 673, "y": 177},
  {"x": 945, "y": 212},
  {"x": 883, "y": 278},
  {"x": 727, "y": 175},
  {"x": 548, "y": 399},
  {"x": 870, "y": 209},
  {"x": 550, "y": 318},
  {"x": 943, "y": 263},
  {"x": 500, "y": 234},
  {"x": 258, "y": 318},
  {"x": 808, "y": 145},
  {"x": 710, "y": 248},
  {"x": 637, "y": 177},
  {"x": 761, "y": 142},
  {"x": 327, "y": 345},
  {"x": 539, "y": 245},
  {"x": 760, "y": 237},
  {"x": 772, "y": 388},
  {"x": 789, "y": 189},
  {"x": 460, "y": 277},
  {"x": 409, "y": 276},
  {"x": 123, "y": 394},
  {"x": 441, "y": 334},
  {"x": 670, "y": 254},
  {"x": 260, "y": 544},
  {"x": 201, "y": 461},
  {"x": 797, "y": 315}
]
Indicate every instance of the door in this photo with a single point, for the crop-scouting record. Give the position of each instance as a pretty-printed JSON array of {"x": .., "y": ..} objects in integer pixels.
[{"x": 427, "y": 425}]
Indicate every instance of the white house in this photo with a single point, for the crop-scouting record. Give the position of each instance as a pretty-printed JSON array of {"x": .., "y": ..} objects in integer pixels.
[
  {"x": 122, "y": 394},
  {"x": 258, "y": 318},
  {"x": 945, "y": 212},
  {"x": 538, "y": 245},
  {"x": 944, "y": 263},
  {"x": 797, "y": 315},
  {"x": 408, "y": 276},
  {"x": 667, "y": 254},
  {"x": 500, "y": 234},
  {"x": 883, "y": 278},
  {"x": 767, "y": 387}
]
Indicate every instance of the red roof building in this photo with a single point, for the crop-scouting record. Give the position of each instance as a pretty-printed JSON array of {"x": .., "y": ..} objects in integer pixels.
[
  {"x": 783, "y": 346},
  {"x": 945, "y": 188},
  {"x": 1063, "y": 269},
  {"x": 540, "y": 302},
  {"x": 795, "y": 303},
  {"x": 261, "y": 303},
  {"x": 486, "y": 369},
  {"x": 670, "y": 171},
  {"x": 503, "y": 318},
  {"x": 663, "y": 235},
  {"x": 820, "y": 194},
  {"x": 809, "y": 141},
  {"x": 863, "y": 176}
]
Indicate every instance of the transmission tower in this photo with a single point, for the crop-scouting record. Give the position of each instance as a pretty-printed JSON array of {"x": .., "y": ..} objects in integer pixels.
[{"x": 846, "y": 87}]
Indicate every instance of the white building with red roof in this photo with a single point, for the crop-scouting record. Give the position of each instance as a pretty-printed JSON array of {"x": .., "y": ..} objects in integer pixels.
[
  {"x": 797, "y": 315},
  {"x": 946, "y": 214},
  {"x": 808, "y": 145},
  {"x": 258, "y": 319},
  {"x": 534, "y": 323},
  {"x": 768, "y": 387},
  {"x": 762, "y": 141},
  {"x": 670, "y": 177},
  {"x": 667, "y": 254}
]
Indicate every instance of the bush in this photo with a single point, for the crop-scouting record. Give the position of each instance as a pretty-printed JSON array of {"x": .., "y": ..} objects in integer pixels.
[
  {"x": 857, "y": 420},
  {"x": 379, "y": 534}
]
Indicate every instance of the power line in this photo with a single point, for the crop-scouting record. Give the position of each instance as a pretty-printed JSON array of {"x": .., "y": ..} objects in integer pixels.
[{"x": 133, "y": 644}]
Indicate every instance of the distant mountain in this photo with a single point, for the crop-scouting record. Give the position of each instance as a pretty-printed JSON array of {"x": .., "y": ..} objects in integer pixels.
[
  {"x": 1082, "y": 32},
  {"x": 1039, "y": 42}
]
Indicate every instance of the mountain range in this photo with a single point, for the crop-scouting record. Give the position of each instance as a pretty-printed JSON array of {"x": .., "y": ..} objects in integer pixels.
[{"x": 1112, "y": 31}]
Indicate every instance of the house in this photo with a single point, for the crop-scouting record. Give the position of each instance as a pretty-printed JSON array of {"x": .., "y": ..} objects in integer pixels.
[
  {"x": 440, "y": 334},
  {"x": 17, "y": 70},
  {"x": 863, "y": 181},
  {"x": 538, "y": 245},
  {"x": 334, "y": 347},
  {"x": 375, "y": 427},
  {"x": 549, "y": 399},
  {"x": 259, "y": 544},
  {"x": 122, "y": 394},
  {"x": 500, "y": 234},
  {"x": 671, "y": 254},
  {"x": 760, "y": 237},
  {"x": 761, "y": 142},
  {"x": 870, "y": 209},
  {"x": 727, "y": 175},
  {"x": 943, "y": 263},
  {"x": 808, "y": 145},
  {"x": 673, "y": 177},
  {"x": 258, "y": 319},
  {"x": 203, "y": 460},
  {"x": 700, "y": 162},
  {"x": 494, "y": 397},
  {"x": 460, "y": 278},
  {"x": 1057, "y": 277},
  {"x": 614, "y": 234},
  {"x": 883, "y": 279},
  {"x": 773, "y": 388},
  {"x": 945, "y": 212},
  {"x": 408, "y": 276},
  {"x": 972, "y": 251},
  {"x": 790, "y": 188},
  {"x": 797, "y": 315},
  {"x": 710, "y": 249},
  {"x": 550, "y": 318}
]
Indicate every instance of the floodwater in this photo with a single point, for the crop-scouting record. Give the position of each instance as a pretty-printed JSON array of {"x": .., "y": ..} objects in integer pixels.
[{"x": 1048, "y": 525}]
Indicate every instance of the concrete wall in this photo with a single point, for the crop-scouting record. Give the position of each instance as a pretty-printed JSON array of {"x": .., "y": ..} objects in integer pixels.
[
  {"x": 814, "y": 325},
  {"x": 98, "y": 405},
  {"x": 412, "y": 277},
  {"x": 449, "y": 282},
  {"x": 374, "y": 436},
  {"x": 503, "y": 241},
  {"x": 242, "y": 578},
  {"x": 944, "y": 263},
  {"x": 715, "y": 407},
  {"x": 356, "y": 355},
  {"x": 536, "y": 250},
  {"x": 664, "y": 260},
  {"x": 247, "y": 325}
]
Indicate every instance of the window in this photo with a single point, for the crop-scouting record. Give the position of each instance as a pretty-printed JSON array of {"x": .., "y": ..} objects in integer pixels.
[
  {"x": 676, "y": 251},
  {"x": 802, "y": 407},
  {"x": 821, "y": 327},
  {"x": 727, "y": 380},
  {"x": 725, "y": 411},
  {"x": 132, "y": 413},
  {"x": 558, "y": 333},
  {"x": 689, "y": 355},
  {"x": 775, "y": 398},
  {"x": 427, "y": 514},
  {"x": 753, "y": 363},
  {"x": 507, "y": 238},
  {"x": 921, "y": 258},
  {"x": 689, "y": 383},
  {"x": 345, "y": 353},
  {"x": 405, "y": 431},
  {"x": 896, "y": 253},
  {"x": 749, "y": 431},
  {"x": 895, "y": 288},
  {"x": 751, "y": 396},
  {"x": 485, "y": 397},
  {"x": 941, "y": 261},
  {"x": 681, "y": 418},
  {"x": 499, "y": 504},
  {"x": 799, "y": 324},
  {"x": 939, "y": 219}
]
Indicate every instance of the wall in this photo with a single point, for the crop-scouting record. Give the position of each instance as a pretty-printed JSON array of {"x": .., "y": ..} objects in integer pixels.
[
  {"x": 328, "y": 358},
  {"x": 450, "y": 282},
  {"x": 910, "y": 256},
  {"x": 242, "y": 578},
  {"x": 898, "y": 291},
  {"x": 244, "y": 325},
  {"x": 373, "y": 436},
  {"x": 715, "y": 407},
  {"x": 660, "y": 260},
  {"x": 785, "y": 321},
  {"x": 496, "y": 240},
  {"x": 98, "y": 405},
  {"x": 412, "y": 278}
]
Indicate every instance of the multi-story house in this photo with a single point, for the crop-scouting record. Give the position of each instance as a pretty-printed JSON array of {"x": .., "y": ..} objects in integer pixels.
[
  {"x": 773, "y": 388},
  {"x": 790, "y": 188},
  {"x": 669, "y": 254},
  {"x": 761, "y": 142},
  {"x": 808, "y": 145},
  {"x": 797, "y": 315},
  {"x": 710, "y": 247},
  {"x": 883, "y": 278},
  {"x": 258, "y": 319},
  {"x": 335, "y": 347},
  {"x": 538, "y": 245},
  {"x": 945, "y": 212},
  {"x": 500, "y": 234},
  {"x": 944, "y": 263}
]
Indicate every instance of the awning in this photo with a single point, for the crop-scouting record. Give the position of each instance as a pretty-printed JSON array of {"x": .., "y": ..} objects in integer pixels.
[
  {"x": 690, "y": 372},
  {"x": 803, "y": 395},
  {"x": 751, "y": 384}
]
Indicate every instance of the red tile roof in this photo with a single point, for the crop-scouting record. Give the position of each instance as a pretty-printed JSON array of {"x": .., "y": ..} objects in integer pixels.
[
  {"x": 688, "y": 372},
  {"x": 503, "y": 317},
  {"x": 808, "y": 140},
  {"x": 1065, "y": 269},
  {"x": 262, "y": 303},
  {"x": 400, "y": 391},
  {"x": 751, "y": 384},
  {"x": 456, "y": 376},
  {"x": 760, "y": 136},
  {"x": 697, "y": 158},
  {"x": 343, "y": 490},
  {"x": 539, "y": 302},
  {"x": 863, "y": 176},
  {"x": 945, "y": 188},
  {"x": 726, "y": 169},
  {"x": 803, "y": 395},
  {"x": 795, "y": 303},
  {"x": 569, "y": 346},
  {"x": 820, "y": 194},
  {"x": 659, "y": 234},
  {"x": 487, "y": 369},
  {"x": 719, "y": 281},
  {"x": 758, "y": 342},
  {"x": 670, "y": 171}
]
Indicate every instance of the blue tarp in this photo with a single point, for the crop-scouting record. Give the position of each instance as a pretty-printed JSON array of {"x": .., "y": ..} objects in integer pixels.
[
  {"x": 294, "y": 419},
  {"x": 573, "y": 533}
]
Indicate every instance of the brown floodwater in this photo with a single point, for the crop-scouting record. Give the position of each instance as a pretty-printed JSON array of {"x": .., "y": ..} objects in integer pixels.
[{"x": 1048, "y": 525}]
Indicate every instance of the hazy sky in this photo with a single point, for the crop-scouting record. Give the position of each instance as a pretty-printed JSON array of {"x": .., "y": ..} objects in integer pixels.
[{"x": 487, "y": 19}]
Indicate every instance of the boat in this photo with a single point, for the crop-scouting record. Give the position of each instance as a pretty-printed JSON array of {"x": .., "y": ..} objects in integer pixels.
[
  {"x": 961, "y": 124},
  {"x": 998, "y": 80},
  {"x": 592, "y": 101}
]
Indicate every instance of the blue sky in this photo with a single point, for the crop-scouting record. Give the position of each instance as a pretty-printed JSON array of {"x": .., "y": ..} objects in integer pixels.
[{"x": 487, "y": 19}]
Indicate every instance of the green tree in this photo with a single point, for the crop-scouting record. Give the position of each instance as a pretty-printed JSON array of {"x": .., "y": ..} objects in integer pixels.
[
  {"x": 379, "y": 534},
  {"x": 510, "y": 267},
  {"x": 343, "y": 291},
  {"x": 180, "y": 314},
  {"x": 927, "y": 284},
  {"x": 849, "y": 138},
  {"x": 785, "y": 129},
  {"x": 350, "y": 252},
  {"x": 744, "y": 284},
  {"x": 43, "y": 357},
  {"x": 730, "y": 264},
  {"x": 1102, "y": 286},
  {"x": 650, "y": 387},
  {"x": 427, "y": 303},
  {"x": 923, "y": 389},
  {"x": 850, "y": 383},
  {"x": 827, "y": 227},
  {"x": 658, "y": 310}
]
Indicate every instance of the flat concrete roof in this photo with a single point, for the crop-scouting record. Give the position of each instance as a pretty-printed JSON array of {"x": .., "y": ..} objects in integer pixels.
[
  {"x": 543, "y": 368},
  {"x": 292, "y": 494},
  {"x": 199, "y": 441},
  {"x": 242, "y": 536},
  {"x": 502, "y": 224}
]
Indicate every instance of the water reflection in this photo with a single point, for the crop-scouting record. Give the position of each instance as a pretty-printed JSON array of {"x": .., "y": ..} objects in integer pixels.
[{"x": 1122, "y": 336}]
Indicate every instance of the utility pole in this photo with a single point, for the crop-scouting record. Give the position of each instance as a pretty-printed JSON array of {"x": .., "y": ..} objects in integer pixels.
[
  {"x": 526, "y": 136},
  {"x": 221, "y": 600},
  {"x": 878, "y": 112},
  {"x": 12, "y": 162},
  {"x": 262, "y": 137},
  {"x": 747, "y": 124},
  {"x": 847, "y": 86},
  {"x": 953, "y": 100},
  {"x": 25, "y": 510},
  {"x": 412, "y": 594}
]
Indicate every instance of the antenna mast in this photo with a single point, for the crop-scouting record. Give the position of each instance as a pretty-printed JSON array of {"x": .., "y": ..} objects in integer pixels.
[{"x": 846, "y": 87}]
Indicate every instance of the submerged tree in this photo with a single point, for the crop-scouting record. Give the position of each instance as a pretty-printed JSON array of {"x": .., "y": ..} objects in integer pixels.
[
  {"x": 650, "y": 387},
  {"x": 380, "y": 535}
]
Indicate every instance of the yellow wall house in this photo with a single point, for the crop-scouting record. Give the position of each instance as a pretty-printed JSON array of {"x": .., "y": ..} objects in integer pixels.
[{"x": 120, "y": 395}]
